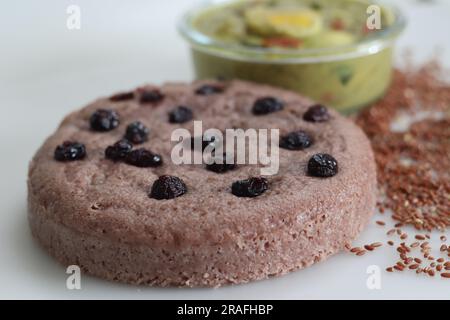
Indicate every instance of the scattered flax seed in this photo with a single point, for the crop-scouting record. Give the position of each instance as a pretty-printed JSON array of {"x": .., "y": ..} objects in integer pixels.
[
  {"x": 369, "y": 247},
  {"x": 408, "y": 260},
  {"x": 424, "y": 245},
  {"x": 413, "y": 163},
  {"x": 376, "y": 244},
  {"x": 399, "y": 268},
  {"x": 356, "y": 249},
  {"x": 361, "y": 253},
  {"x": 381, "y": 223}
]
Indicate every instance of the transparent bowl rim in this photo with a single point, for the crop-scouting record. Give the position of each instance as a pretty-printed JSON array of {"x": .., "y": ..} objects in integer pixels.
[{"x": 368, "y": 46}]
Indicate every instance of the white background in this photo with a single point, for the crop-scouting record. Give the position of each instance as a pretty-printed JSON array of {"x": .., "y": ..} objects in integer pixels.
[{"x": 46, "y": 71}]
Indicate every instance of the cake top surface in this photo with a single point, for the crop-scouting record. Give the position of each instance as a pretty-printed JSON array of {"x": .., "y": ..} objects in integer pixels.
[{"x": 114, "y": 196}]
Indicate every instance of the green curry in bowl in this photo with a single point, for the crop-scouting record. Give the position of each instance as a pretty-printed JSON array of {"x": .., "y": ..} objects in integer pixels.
[{"x": 338, "y": 52}]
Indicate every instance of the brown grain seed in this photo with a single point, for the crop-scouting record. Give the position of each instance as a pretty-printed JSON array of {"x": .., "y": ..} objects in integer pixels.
[
  {"x": 399, "y": 268},
  {"x": 391, "y": 243},
  {"x": 391, "y": 232},
  {"x": 381, "y": 223},
  {"x": 424, "y": 245},
  {"x": 356, "y": 249},
  {"x": 420, "y": 237},
  {"x": 414, "y": 266},
  {"x": 369, "y": 247},
  {"x": 417, "y": 260},
  {"x": 443, "y": 238},
  {"x": 445, "y": 275},
  {"x": 376, "y": 244}
]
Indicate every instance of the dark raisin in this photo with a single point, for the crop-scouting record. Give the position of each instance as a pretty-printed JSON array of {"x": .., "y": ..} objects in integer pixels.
[
  {"x": 167, "y": 187},
  {"x": 322, "y": 165},
  {"x": 143, "y": 158},
  {"x": 250, "y": 188},
  {"x": 267, "y": 105},
  {"x": 70, "y": 151},
  {"x": 208, "y": 89},
  {"x": 104, "y": 120},
  {"x": 151, "y": 96},
  {"x": 122, "y": 96},
  {"x": 297, "y": 140},
  {"x": 136, "y": 132},
  {"x": 180, "y": 114},
  {"x": 119, "y": 150},
  {"x": 221, "y": 164},
  {"x": 317, "y": 113}
]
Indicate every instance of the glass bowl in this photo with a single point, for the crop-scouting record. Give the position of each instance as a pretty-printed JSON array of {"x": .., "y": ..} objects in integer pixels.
[{"x": 344, "y": 77}]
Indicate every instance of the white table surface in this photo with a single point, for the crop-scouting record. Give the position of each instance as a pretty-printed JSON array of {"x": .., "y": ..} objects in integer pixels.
[{"x": 46, "y": 71}]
